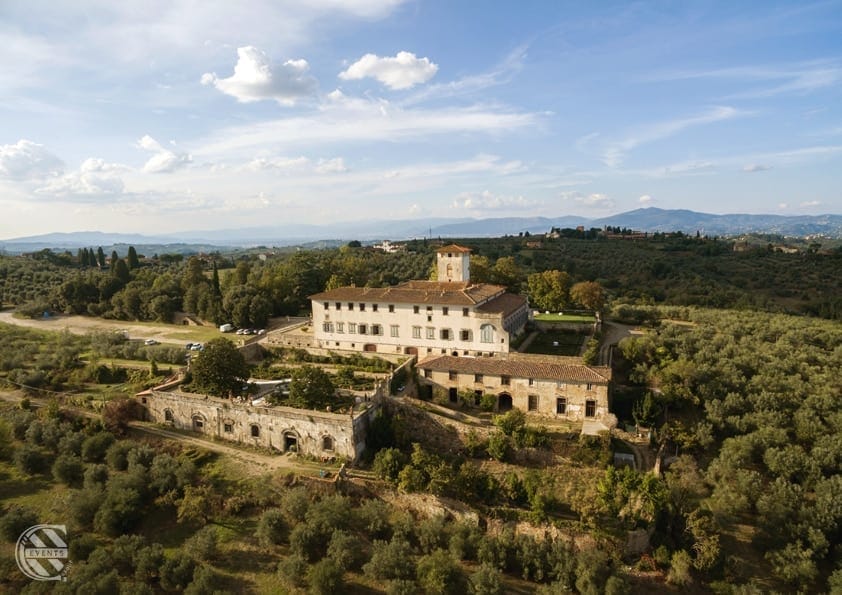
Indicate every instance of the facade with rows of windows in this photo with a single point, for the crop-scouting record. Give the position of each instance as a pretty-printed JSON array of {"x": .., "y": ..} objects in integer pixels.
[
  {"x": 447, "y": 316},
  {"x": 550, "y": 386}
]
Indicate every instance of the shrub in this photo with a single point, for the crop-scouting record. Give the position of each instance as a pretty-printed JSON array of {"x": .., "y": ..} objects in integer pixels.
[
  {"x": 96, "y": 476},
  {"x": 16, "y": 520},
  {"x": 679, "y": 572},
  {"x": 498, "y": 446},
  {"x": 117, "y": 455},
  {"x": 119, "y": 512},
  {"x": 345, "y": 550},
  {"x": 389, "y": 560},
  {"x": 30, "y": 459},
  {"x": 177, "y": 572},
  {"x": 510, "y": 422},
  {"x": 475, "y": 445},
  {"x": 203, "y": 544},
  {"x": 294, "y": 504},
  {"x": 205, "y": 581},
  {"x": 325, "y": 577},
  {"x": 373, "y": 518},
  {"x": 388, "y": 464},
  {"x": 292, "y": 570},
  {"x": 84, "y": 505},
  {"x": 95, "y": 447},
  {"x": 81, "y": 546},
  {"x": 271, "y": 528},
  {"x": 439, "y": 573},
  {"x": 488, "y": 402},
  {"x": 486, "y": 581},
  {"x": 69, "y": 470}
]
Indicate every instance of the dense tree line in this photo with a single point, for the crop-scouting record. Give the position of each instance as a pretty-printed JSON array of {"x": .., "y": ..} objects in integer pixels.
[
  {"x": 121, "y": 490},
  {"x": 669, "y": 269},
  {"x": 751, "y": 404},
  {"x": 673, "y": 269}
]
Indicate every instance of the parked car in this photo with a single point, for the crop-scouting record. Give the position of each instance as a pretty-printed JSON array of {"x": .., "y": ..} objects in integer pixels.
[
  {"x": 151, "y": 342},
  {"x": 197, "y": 347}
]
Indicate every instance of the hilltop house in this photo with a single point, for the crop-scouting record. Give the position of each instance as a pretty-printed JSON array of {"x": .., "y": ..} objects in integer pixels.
[{"x": 451, "y": 315}]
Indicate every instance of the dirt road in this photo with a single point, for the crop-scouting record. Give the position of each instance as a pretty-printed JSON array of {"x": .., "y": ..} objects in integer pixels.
[
  {"x": 82, "y": 325},
  {"x": 612, "y": 333}
]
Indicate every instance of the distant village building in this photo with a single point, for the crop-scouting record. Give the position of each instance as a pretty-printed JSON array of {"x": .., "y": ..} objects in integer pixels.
[{"x": 389, "y": 247}]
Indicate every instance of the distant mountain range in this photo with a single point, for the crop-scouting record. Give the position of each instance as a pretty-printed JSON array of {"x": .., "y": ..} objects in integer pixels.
[{"x": 649, "y": 219}]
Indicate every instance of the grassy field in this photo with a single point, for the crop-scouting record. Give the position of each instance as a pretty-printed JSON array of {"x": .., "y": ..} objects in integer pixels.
[
  {"x": 558, "y": 317},
  {"x": 557, "y": 343}
]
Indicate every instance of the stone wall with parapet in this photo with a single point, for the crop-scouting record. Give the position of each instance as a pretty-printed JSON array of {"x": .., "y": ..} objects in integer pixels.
[{"x": 316, "y": 433}]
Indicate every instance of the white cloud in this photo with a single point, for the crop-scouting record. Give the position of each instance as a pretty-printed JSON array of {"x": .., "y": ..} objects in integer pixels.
[
  {"x": 350, "y": 119},
  {"x": 615, "y": 151},
  {"x": 282, "y": 163},
  {"x": 796, "y": 78},
  {"x": 95, "y": 178},
  {"x": 501, "y": 74},
  {"x": 414, "y": 210},
  {"x": 256, "y": 79},
  {"x": 489, "y": 201},
  {"x": 164, "y": 160},
  {"x": 596, "y": 200},
  {"x": 755, "y": 167},
  {"x": 783, "y": 206},
  {"x": 811, "y": 203},
  {"x": 646, "y": 200},
  {"x": 27, "y": 160},
  {"x": 328, "y": 166},
  {"x": 404, "y": 71}
]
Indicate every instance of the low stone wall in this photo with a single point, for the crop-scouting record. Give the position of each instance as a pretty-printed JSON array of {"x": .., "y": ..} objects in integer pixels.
[{"x": 309, "y": 432}]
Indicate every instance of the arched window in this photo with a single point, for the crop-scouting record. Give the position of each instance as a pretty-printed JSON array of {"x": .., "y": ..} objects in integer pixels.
[
  {"x": 486, "y": 333},
  {"x": 327, "y": 443},
  {"x": 168, "y": 415},
  {"x": 255, "y": 430}
]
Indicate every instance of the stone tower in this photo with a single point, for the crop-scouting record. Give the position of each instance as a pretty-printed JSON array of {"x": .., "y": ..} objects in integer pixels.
[{"x": 454, "y": 263}]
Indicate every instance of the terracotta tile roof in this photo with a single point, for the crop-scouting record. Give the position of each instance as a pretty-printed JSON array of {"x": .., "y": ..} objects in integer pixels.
[
  {"x": 508, "y": 303},
  {"x": 454, "y": 248},
  {"x": 520, "y": 366},
  {"x": 417, "y": 292}
]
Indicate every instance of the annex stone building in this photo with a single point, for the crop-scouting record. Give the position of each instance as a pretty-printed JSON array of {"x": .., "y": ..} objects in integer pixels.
[
  {"x": 549, "y": 386},
  {"x": 320, "y": 434}
]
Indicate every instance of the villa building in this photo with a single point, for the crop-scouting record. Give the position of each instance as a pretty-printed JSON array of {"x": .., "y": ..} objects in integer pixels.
[{"x": 451, "y": 315}]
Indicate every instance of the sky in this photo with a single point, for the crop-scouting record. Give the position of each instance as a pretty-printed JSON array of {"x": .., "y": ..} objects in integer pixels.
[{"x": 159, "y": 116}]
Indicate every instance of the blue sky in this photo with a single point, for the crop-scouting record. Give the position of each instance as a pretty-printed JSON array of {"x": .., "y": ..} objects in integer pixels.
[{"x": 165, "y": 115}]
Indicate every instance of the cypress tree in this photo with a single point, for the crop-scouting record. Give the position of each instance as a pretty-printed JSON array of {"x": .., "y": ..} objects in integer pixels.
[{"x": 132, "y": 258}]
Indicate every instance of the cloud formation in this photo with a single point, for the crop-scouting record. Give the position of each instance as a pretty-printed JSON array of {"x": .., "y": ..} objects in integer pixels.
[
  {"x": 256, "y": 79},
  {"x": 403, "y": 71},
  {"x": 489, "y": 201},
  {"x": 595, "y": 200},
  {"x": 615, "y": 152},
  {"x": 646, "y": 200},
  {"x": 164, "y": 160},
  {"x": 349, "y": 119},
  {"x": 755, "y": 167},
  {"x": 26, "y": 160},
  {"x": 95, "y": 178}
]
